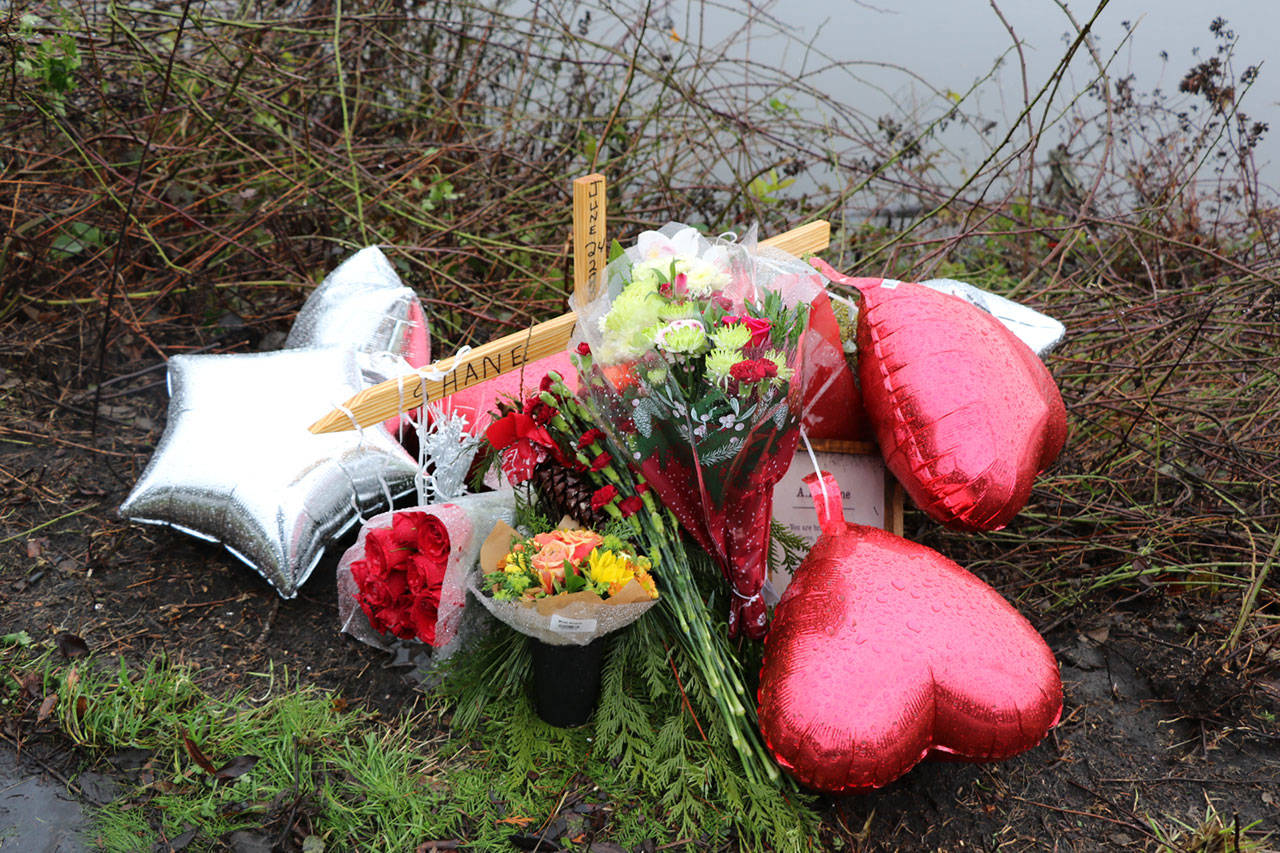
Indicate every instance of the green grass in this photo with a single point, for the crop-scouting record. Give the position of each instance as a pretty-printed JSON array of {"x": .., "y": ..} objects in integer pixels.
[{"x": 644, "y": 768}]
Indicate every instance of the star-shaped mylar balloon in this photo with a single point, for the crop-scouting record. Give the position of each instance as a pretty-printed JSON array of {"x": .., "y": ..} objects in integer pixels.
[{"x": 237, "y": 464}]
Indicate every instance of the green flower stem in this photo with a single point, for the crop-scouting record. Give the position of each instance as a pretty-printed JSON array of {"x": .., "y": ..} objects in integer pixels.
[{"x": 709, "y": 651}]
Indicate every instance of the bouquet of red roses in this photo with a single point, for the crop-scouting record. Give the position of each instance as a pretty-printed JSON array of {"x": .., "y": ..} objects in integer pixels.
[
  {"x": 401, "y": 577},
  {"x": 693, "y": 359},
  {"x": 405, "y": 577}
]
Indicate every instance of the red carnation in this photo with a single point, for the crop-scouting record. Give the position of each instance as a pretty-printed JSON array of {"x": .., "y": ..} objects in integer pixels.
[
  {"x": 601, "y": 461},
  {"x": 630, "y": 506},
  {"x": 584, "y": 348},
  {"x": 603, "y": 496},
  {"x": 747, "y": 370},
  {"x": 589, "y": 438},
  {"x": 542, "y": 413}
]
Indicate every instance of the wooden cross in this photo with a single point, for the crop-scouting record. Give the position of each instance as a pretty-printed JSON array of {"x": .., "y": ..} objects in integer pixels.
[
  {"x": 590, "y": 254},
  {"x": 386, "y": 399}
]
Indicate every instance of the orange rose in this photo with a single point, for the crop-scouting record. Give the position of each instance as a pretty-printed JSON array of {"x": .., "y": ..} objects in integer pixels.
[
  {"x": 583, "y": 542},
  {"x": 549, "y": 560}
]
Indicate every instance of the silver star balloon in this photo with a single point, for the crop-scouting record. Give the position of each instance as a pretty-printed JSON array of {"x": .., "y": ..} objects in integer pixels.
[
  {"x": 237, "y": 464},
  {"x": 363, "y": 305},
  {"x": 1039, "y": 331}
]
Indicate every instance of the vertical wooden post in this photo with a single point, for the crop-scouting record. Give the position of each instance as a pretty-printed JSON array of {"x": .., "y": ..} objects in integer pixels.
[
  {"x": 894, "y": 506},
  {"x": 590, "y": 248}
]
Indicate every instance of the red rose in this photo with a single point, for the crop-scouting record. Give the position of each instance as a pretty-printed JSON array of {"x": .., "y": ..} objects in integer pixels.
[
  {"x": 630, "y": 506},
  {"x": 584, "y": 348},
  {"x": 424, "y": 614},
  {"x": 760, "y": 330},
  {"x": 401, "y": 578},
  {"x": 383, "y": 587},
  {"x": 603, "y": 496},
  {"x": 758, "y": 326},
  {"x": 405, "y": 535},
  {"x": 433, "y": 540}
]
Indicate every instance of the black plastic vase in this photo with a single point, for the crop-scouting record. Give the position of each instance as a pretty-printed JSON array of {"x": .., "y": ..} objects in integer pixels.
[{"x": 566, "y": 681}]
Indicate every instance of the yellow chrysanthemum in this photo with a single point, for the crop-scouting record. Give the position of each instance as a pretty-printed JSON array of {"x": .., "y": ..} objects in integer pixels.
[{"x": 611, "y": 568}]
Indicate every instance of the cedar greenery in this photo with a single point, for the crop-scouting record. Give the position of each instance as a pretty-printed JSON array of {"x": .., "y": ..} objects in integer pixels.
[{"x": 656, "y": 737}]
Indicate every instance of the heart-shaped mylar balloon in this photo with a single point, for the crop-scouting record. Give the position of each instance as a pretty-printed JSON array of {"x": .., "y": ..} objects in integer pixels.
[
  {"x": 965, "y": 414},
  {"x": 479, "y": 402},
  {"x": 883, "y": 651},
  {"x": 832, "y": 404}
]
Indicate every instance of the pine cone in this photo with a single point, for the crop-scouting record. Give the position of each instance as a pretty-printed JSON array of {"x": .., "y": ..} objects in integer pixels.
[{"x": 566, "y": 493}]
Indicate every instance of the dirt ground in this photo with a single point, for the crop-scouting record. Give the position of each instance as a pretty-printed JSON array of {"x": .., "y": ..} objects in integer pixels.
[{"x": 1155, "y": 728}]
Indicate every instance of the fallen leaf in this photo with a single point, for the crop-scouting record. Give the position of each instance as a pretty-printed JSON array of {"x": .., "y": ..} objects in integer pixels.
[
  {"x": 313, "y": 844},
  {"x": 73, "y": 678},
  {"x": 235, "y": 768},
  {"x": 196, "y": 755},
  {"x": 1099, "y": 635},
  {"x": 71, "y": 646},
  {"x": 46, "y": 707},
  {"x": 35, "y": 547},
  {"x": 28, "y": 684}
]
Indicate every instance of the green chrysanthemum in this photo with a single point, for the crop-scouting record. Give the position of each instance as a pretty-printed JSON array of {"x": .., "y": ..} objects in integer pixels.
[
  {"x": 734, "y": 336},
  {"x": 624, "y": 328},
  {"x": 718, "y": 363},
  {"x": 681, "y": 336}
]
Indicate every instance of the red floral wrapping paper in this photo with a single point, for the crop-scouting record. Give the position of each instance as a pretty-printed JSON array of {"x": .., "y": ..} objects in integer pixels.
[{"x": 711, "y": 433}]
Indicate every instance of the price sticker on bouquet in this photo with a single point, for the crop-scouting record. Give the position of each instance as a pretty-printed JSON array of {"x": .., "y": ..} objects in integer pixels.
[{"x": 564, "y": 625}]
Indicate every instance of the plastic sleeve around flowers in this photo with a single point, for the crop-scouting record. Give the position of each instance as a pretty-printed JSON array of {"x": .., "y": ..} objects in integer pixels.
[
  {"x": 468, "y": 519},
  {"x": 712, "y": 442}
]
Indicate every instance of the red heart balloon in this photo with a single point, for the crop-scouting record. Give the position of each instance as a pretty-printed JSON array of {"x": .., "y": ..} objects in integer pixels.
[
  {"x": 883, "y": 651},
  {"x": 965, "y": 413},
  {"x": 478, "y": 403},
  {"x": 832, "y": 404}
]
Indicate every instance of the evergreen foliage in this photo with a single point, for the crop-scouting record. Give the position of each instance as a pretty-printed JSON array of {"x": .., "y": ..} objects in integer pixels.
[{"x": 655, "y": 743}]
